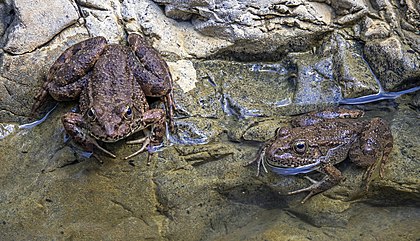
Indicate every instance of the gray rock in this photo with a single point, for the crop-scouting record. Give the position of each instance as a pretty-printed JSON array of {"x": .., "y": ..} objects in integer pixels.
[
  {"x": 351, "y": 70},
  {"x": 102, "y": 19},
  {"x": 37, "y": 22},
  {"x": 396, "y": 65},
  {"x": 5, "y": 15},
  {"x": 271, "y": 24}
]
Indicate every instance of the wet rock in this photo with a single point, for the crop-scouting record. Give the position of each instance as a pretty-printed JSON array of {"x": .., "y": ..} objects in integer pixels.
[
  {"x": 7, "y": 129},
  {"x": 184, "y": 73},
  {"x": 239, "y": 84},
  {"x": 415, "y": 102},
  {"x": 396, "y": 65},
  {"x": 375, "y": 29},
  {"x": 278, "y": 225},
  {"x": 351, "y": 71},
  {"x": 348, "y": 11},
  {"x": 195, "y": 93},
  {"x": 315, "y": 86},
  {"x": 31, "y": 28},
  {"x": 402, "y": 180},
  {"x": 14, "y": 97},
  {"x": 73, "y": 194},
  {"x": 195, "y": 131},
  {"x": 411, "y": 15},
  {"x": 240, "y": 70},
  {"x": 201, "y": 204}
]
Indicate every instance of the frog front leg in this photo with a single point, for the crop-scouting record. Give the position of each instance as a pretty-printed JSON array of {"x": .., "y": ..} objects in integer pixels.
[
  {"x": 75, "y": 127},
  {"x": 333, "y": 177},
  {"x": 156, "y": 119}
]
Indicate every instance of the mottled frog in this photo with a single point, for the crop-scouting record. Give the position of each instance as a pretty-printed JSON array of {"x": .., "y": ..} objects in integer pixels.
[
  {"x": 111, "y": 82},
  {"x": 318, "y": 141}
]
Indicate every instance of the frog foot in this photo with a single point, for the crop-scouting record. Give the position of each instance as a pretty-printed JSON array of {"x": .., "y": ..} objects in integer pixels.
[
  {"x": 103, "y": 150},
  {"x": 316, "y": 187},
  {"x": 145, "y": 141}
]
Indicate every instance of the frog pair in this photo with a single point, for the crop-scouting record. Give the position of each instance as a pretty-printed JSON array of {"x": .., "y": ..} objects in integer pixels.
[{"x": 112, "y": 82}]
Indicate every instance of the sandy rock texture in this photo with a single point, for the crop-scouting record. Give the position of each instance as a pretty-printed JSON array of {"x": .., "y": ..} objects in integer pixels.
[{"x": 241, "y": 70}]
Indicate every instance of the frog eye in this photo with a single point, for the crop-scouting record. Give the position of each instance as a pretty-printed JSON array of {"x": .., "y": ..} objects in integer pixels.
[
  {"x": 91, "y": 114},
  {"x": 300, "y": 146},
  {"x": 128, "y": 113}
]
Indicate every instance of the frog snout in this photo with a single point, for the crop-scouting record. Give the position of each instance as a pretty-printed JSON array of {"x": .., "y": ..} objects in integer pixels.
[
  {"x": 110, "y": 129},
  {"x": 280, "y": 153}
]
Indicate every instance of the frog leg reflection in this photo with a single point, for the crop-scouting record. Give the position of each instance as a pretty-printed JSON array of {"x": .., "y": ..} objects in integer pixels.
[
  {"x": 156, "y": 118},
  {"x": 74, "y": 126},
  {"x": 259, "y": 160},
  {"x": 333, "y": 176}
]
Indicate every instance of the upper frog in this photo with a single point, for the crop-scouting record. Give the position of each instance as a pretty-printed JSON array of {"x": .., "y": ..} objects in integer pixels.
[
  {"x": 318, "y": 141},
  {"x": 111, "y": 82}
]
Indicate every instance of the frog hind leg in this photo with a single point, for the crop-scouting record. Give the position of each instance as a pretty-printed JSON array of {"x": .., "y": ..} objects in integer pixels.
[
  {"x": 64, "y": 75},
  {"x": 333, "y": 176},
  {"x": 59, "y": 93},
  {"x": 153, "y": 73},
  {"x": 73, "y": 124},
  {"x": 68, "y": 92},
  {"x": 372, "y": 149}
]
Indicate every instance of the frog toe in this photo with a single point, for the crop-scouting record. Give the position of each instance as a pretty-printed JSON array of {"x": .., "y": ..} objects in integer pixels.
[
  {"x": 145, "y": 141},
  {"x": 312, "y": 191}
]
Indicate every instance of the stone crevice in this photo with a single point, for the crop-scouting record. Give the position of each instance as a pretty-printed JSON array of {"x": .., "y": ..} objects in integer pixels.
[{"x": 90, "y": 5}]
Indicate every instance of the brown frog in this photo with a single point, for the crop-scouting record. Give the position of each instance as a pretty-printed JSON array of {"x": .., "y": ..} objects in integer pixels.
[
  {"x": 111, "y": 82},
  {"x": 318, "y": 141}
]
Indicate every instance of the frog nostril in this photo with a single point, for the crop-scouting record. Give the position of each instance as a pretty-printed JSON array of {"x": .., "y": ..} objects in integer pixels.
[{"x": 278, "y": 152}]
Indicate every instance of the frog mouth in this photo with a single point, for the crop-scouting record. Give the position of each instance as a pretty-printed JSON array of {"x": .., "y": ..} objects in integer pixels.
[
  {"x": 288, "y": 170},
  {"x": 112, "y": 139}
]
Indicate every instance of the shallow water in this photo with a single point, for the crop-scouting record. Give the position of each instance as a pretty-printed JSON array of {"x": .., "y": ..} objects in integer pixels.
[{"x": 201, "y": 191}]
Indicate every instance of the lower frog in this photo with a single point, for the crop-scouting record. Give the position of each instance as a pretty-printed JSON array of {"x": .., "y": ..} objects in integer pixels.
[
  {"x": 111, "y": 82},
  {"x": 318, "y": 141}
]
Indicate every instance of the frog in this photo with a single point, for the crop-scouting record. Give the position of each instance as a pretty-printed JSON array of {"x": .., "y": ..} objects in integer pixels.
[
  {"x": 111, "y": 83},
  {"x": 319, "y": 140}
]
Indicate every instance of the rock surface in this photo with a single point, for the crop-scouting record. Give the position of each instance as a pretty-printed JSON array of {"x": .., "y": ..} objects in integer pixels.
[
  {"x": 37, "y": 22},
  {"x": 240, "y": 70}
]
